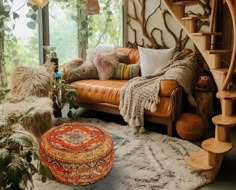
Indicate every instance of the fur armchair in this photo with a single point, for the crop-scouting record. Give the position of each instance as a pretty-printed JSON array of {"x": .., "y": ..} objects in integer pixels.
[{"x": 29, "y": 99}]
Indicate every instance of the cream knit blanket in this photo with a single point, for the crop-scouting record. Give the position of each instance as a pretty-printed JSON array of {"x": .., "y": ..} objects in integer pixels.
[{"x": 142, "y": 93}]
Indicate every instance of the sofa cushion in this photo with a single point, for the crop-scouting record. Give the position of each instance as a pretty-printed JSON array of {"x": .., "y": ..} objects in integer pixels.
[
  {"x": 91, "y": 53},
  {"x": 105, "y": 63},
  {"x": 108, "y": 91},
  {"x": 122, "y": 57},
  {"x": 125, "y": 72},
  {"x": 99, "y": 91},
  {"x": 132, "y": 53},
  {"x": 151, "y": 59},
  {"x": 72, "y": 72}
]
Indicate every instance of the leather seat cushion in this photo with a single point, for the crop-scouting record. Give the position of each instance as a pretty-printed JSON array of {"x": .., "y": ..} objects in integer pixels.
[
  {"x": 99, "y": 91},
  {"x": 108, "y": 91}
]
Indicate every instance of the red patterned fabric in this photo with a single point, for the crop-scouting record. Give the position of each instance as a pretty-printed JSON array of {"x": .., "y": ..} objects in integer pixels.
[{"x": 77, "y": 153}]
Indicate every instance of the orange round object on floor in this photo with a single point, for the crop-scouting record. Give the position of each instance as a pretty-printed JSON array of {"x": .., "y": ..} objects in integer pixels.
[
  {"x": 77, "y": 153},
  {"x": 190, "y": 126}
]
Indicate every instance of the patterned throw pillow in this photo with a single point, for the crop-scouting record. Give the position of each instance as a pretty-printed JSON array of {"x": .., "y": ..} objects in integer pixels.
[
  {"x": 84, "y": 71},
  {"x": 124, "y": 72}
]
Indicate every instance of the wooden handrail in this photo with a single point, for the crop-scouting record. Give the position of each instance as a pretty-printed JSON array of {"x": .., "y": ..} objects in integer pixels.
[{"x": 233, "y": 58}]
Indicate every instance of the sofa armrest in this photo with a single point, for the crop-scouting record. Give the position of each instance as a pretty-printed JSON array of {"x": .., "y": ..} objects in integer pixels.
[
  {"x": 176, "y": 99},
  {"x": 167, "y": 87}
]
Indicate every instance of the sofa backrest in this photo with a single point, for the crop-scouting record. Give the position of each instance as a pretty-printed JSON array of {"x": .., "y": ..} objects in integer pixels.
[{"x": 131, "y": 52}]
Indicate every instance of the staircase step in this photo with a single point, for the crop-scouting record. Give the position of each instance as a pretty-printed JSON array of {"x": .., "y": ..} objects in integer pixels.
[
  {"x": 218, "y": 51},
  {"x": 224, "y": 121},
  {"x": 194, "y": 17},
  {"x": 185, "y": 3},
  {"x": 207, "y": 33},
  {"x": 222, "y": 71},
  {"x": 226, "y": 94},
  {"x": 214, "y": 146},
  {"x": 199, "y": 161}
]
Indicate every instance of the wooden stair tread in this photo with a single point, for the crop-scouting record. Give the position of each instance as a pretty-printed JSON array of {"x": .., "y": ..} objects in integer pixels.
[
  {"x": 221, "y": 70},
  {"x": 185, "y": 3},
  {"x": 214, "y": 146},
  {"x": 218, "y": 51},
  {"x": 206, "y": 33},
  {"x": 226, "y": 94},
  {"x": 199, "y": 161},
  {"x": 194, "y": 17},
  {"x": 224, "y": 121}
]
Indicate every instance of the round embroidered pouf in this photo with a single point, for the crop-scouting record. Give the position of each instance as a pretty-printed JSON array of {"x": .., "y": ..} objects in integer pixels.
[{"x": 77, "y": 153}]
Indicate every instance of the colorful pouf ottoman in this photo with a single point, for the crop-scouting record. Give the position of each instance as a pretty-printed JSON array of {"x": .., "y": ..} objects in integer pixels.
[
  {"x": 77, "y": 153},
  {"x": 190, "y": 126}
]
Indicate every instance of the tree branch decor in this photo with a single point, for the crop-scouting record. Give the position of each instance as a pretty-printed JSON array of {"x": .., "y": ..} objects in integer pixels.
[
  {"x": 139, "y": 17},
  {"x": 148, "y": 37}
]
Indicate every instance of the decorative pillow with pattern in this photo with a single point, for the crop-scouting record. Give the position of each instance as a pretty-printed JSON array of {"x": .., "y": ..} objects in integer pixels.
[
  {"x": 85, "y": 71},
  {"x": 125, "y": 72}
]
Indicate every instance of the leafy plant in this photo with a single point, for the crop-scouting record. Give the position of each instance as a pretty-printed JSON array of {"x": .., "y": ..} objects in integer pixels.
[
  {"x": 18, "y": 155},
  {"x": 3, "y": 93},
  {"x": 17, "y": 150},
  {"x": 64, "y": 93}
]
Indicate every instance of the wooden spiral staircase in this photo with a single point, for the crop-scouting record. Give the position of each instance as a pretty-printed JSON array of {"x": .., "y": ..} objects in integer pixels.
[{"x": 210, "y": 157}]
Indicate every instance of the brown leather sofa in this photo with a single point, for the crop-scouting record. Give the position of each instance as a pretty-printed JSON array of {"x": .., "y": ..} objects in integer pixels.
[{"x": 103, "y": 95}]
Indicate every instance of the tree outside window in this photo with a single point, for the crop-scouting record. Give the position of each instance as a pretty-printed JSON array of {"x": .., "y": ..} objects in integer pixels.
[
  {"x": 71, "y": 31},
  {"x": 18, "y": 36}
]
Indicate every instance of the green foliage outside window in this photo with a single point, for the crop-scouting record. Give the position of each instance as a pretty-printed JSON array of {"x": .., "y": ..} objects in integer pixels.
[
  {"x": 13, "y": 50},
  {"x": 103, "y": 28},
  {"x": 106, "y": 27}
]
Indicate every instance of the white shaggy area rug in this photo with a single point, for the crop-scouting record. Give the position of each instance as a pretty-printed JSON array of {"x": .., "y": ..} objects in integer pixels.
[{"x": 149, "y": 161}]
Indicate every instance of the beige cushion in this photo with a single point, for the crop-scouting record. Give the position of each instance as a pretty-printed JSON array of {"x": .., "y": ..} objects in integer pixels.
[{"x": 151, "y": 59}]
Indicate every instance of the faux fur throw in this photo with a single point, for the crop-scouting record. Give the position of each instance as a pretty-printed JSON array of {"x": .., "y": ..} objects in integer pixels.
[
  {"x": 29, "y": 81},
  {"x": 141, "y": 93},
  {"x": 36, "y": 113}
]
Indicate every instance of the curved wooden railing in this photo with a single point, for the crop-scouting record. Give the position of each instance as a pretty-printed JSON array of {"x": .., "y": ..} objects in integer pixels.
[{"x": 233, "y": 58}]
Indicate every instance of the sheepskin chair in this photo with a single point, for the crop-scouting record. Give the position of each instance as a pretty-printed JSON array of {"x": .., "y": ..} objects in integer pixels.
[
  {"x": 29, "y": 99},
  {"x": 30, "y": 81}
]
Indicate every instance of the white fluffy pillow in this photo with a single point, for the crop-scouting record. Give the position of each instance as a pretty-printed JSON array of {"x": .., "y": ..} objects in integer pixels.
[
  {"x": 151, "y": 59},
  {"x": 91, "y": 53}
]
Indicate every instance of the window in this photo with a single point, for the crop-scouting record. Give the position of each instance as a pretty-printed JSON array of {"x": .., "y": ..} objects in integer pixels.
[
  {"x": 72, "y": 31},
  {"x": 106, "y": 27},
  {"x": 18, "y": 36},
  {"x": 63, "y": 29}
]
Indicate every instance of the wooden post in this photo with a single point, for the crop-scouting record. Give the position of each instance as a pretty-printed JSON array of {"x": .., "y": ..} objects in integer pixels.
[{"x": 213, "y": 22}]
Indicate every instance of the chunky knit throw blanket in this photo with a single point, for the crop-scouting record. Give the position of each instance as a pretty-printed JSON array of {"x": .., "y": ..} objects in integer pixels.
[{"x": 141, "y": 93}]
